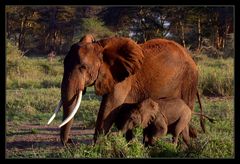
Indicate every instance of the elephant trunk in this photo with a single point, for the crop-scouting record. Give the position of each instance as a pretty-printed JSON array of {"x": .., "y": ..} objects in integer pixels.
[
  {"x": 71, "y": 93},
  {"x": 68, "y": 116},
  {"x": 74, "y": 111}
]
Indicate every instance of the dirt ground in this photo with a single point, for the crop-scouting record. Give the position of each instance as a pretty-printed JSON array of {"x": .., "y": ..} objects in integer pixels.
[{"x": 28, "y": 136}]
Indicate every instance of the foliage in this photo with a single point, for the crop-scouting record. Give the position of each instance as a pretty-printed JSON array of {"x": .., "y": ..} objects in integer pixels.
[
  {"x": 216, "y": 76},
  {"x": 14, "y": 55},
  {"x": 93, "y": 26},
  {"x": 40, "y": 29}
]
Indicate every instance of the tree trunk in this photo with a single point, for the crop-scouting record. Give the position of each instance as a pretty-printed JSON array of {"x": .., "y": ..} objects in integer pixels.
[
  {"x": 46, "y": 42},
  {"x": 52, "y": 29},
  {"x": 225, "y": 34},
  {"x": 199, "y": 33},
  {"x": 21, "y": 37},
  {"x": 182, "y": 33}
]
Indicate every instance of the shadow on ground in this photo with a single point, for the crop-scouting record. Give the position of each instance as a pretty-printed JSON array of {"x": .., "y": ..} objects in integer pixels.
[{"x": 30, "y": 136}]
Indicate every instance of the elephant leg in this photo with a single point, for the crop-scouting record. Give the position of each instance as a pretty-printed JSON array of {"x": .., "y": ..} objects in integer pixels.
[
  {"x": 175, "y": 139},
  {"x": 189, "y": 87},
  {"x": 107, "y": 114},
  {"x": 64, "y": 132},
  {"x": 160, "y": 132},
  {"x": 154, "y": 131},
  {"x": 158, "y": 129},
  {"x": 180, "y": 126},
  {"x": 189, "y": 90},
  {"x": 186, "y": 137},
  {"x": 146, "y": 136},
  {"x": 99, "y": 122},
  {"x": 129, "y": 135}
]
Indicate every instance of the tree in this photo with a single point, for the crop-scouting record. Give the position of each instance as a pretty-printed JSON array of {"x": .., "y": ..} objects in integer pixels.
[
  {"x": 20, "y": 20},
  {"x": 93, "y": 26},
  {"x": 41, "y": 29}
]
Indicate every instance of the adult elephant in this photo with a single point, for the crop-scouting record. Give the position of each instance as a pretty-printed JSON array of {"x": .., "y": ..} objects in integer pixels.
[{"x": 123, "y": 71}]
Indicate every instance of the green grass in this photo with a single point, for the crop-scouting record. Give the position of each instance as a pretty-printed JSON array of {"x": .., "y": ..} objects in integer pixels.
[
  {"x": 33, "y": 91},
  {"x": 34, "y": 73},
  {"x": 216, "y": 76},
  {"x": 27, "y": 105},
  {"x": 217, "y": 142}
]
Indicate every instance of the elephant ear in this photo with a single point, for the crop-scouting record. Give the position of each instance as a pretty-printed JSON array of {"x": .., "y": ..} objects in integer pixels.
[
  {"x": 121, "y": 57},
  {"x": 148, "y": 110}
]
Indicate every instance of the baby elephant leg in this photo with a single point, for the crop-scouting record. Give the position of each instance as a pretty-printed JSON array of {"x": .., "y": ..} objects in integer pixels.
[
  {"x": 155, "y": 130},
  {"x": 152, "y": 133},
  {"x": 160, "y": 131},
  {"x": 186, "y": 137},
  {"x": 181, "y": 125},
  {"x": 148, "y": 135},
  {"x": 129, "y": 135}
]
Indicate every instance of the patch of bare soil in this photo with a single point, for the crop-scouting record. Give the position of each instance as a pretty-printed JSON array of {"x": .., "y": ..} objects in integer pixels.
[{"x": 28, "y": 136}]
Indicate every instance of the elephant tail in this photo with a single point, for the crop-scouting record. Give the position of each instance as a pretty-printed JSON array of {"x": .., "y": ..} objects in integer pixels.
[
  {"x": 212, "y": 120},
  {"x": 192, "y": 132},
  {"x": 202, "y": 120}
]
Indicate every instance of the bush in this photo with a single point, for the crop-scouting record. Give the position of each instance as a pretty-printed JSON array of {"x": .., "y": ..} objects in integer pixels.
[
  {"x": 111, "y": 146},
  {"x": 13, "y": 53}
]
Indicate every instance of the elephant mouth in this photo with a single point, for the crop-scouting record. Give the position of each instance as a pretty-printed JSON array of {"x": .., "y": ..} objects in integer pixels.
[{"x": 71, "y": 115}]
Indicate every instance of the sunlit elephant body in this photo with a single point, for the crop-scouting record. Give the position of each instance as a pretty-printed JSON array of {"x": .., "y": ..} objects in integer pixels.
[
  {"x": 167, "y": 70},
  {"x": 124, "y": 72}
]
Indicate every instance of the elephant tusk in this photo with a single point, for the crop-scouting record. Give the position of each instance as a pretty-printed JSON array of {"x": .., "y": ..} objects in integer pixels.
[
  {"x": 55, "y": 112},
  {"x": 74, "y": 110}
]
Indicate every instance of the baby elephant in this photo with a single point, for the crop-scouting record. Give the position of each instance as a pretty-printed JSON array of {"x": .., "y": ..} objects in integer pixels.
[{"x": 157, "y": 118}]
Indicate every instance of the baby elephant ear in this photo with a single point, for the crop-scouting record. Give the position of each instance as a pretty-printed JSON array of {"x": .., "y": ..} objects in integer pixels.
[
  {"x": 124, "y": 57},
  {"x": 149, "y": 110}
]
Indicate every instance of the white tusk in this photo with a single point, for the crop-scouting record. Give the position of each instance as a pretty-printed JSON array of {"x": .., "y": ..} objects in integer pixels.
[
  {"x": 55, "y": 112},
  {"x": 74, "y": 110}
]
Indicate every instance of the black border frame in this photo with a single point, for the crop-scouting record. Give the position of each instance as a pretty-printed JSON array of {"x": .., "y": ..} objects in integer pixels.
[{"x": 121, "y": 3}]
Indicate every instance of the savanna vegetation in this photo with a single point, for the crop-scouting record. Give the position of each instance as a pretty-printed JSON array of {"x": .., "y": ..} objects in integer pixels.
[{"x": 34, "y": 78}]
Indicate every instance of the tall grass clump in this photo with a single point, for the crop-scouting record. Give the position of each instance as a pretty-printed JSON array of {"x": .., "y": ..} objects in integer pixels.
[
  {"x": 216, "y": 76},
  {"x": 110, "y": 146},
  {"x": 14, "y": 58}
]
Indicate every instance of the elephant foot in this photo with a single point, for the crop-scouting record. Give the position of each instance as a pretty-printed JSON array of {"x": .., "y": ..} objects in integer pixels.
[
  {"x": 129, "y": 135},
  {"x": 96, "y": 135},
  {"x": 95, "y": 138},
  {"x": 148, "y": 143},
  {"x": 68, "y": 142}
]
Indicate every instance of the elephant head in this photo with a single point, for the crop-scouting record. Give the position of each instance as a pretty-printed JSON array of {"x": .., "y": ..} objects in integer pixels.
[
  {"x": 128, "y": 117},
  {"x": 102, "y": 64},
  {"x": 132, "y": 115},
  {"x": 148, "y": 110}
]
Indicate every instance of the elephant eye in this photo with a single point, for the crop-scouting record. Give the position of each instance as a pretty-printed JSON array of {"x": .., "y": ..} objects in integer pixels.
[
  {"x": 82, "y": 66},
  {"x": 131, "y": 119}
]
